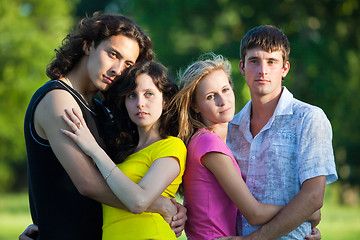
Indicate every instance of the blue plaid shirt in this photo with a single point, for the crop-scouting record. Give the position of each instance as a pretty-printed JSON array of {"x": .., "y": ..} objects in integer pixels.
[{"x": 295, "y": 145}]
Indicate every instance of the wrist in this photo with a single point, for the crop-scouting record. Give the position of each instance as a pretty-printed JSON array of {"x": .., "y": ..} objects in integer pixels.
[
  {"x": 96, "y": 153},
  {"x": 168, "y": 209},
  {"x": 257, "y": 235},
  {"x": 263, "y": 234}
]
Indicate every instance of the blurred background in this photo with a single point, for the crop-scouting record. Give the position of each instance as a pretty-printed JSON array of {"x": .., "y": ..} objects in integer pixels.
[{"x": 325, "y": 71}]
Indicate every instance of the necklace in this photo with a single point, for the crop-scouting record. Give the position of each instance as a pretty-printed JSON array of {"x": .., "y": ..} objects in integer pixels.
[{"x": 67, "y": 81}]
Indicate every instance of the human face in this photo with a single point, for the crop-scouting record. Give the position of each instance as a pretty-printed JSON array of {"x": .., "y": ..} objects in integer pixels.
[
  {"x": 214, "y": 99},
  {"x": 109, "y": 59},
  {"x": 263, "y": 72},
  {"x": 145, "y": 103}
]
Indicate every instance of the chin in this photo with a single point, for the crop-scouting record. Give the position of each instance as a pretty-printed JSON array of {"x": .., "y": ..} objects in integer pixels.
[{"x": 104, "y": 87}]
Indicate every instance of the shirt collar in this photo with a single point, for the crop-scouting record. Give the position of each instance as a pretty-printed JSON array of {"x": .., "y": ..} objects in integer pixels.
[
  {"x": 284, "y": 107},
  {"x": 244, "y": 115}
]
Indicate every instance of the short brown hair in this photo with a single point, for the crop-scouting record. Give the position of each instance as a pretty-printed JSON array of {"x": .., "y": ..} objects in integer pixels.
[{"x": 267, "y": 37}]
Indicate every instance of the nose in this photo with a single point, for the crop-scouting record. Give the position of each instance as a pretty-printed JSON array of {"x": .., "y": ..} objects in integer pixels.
[
  {"x": 117, "y": 68},
  {"x": 140, "y": 102},
  {"x": 263, "y": 69},
  {"x": 220, "y": 100}
]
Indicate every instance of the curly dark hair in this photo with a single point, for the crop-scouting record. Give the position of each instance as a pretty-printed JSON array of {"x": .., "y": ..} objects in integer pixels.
[
  {"x": 94, "y": 30},
  {"x": 124, "y": 137}
]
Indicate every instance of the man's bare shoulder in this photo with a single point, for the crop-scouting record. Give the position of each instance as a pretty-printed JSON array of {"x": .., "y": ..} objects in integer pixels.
[{"x": 49, "y": 111}]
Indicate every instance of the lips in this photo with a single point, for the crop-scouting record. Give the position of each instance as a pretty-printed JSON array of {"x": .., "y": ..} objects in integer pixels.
[
  {"x": 108, "y": 80},
  {"x": 226, "y": 110},
  {"x": 262, "y": 81},
  {"x": 141, "y": 114}
]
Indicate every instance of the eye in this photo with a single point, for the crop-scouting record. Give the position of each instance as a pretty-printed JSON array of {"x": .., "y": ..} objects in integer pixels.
[
  {"x": 149, "y": 94},
  {"x": 226, "y": 89},
  {"x": 131, "y": 95},
  {"x": 112, "y": 55},
  {"x": 272, "y": 62},
  {"x": 209, "y": 97},
  {"x": 128, "y": 64}
]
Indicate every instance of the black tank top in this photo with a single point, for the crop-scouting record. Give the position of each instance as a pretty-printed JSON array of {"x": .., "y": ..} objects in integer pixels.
[{"x": 57, "y": 207}]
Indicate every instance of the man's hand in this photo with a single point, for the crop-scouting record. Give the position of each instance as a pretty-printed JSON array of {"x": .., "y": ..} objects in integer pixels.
[
  {"x": 178, "y": 221},
  {"x": 30, "y": 233},
  {"x": 315, "y": 234}
]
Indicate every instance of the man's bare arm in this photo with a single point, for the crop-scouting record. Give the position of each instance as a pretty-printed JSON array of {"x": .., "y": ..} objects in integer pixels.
[{"x": 298, "y": 210}]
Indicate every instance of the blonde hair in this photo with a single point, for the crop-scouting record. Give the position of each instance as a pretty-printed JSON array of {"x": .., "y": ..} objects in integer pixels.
[{"x": 188, "y": 120}]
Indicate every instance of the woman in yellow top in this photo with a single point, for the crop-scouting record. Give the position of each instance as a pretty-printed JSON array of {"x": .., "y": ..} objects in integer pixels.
[{"x": 150, "y": 160}]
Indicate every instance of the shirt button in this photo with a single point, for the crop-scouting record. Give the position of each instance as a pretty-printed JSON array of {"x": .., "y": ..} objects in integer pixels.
[{"x": 253, "y": 157}]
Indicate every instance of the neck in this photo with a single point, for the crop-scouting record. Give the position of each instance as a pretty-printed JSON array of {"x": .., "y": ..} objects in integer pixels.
[
  {"x": 80, "y": 81},
  {"x": 264, "y": 107},
  {"x": 262, "y": 110},
  {"x": 147, "y": 137},
  {"x": 221, "y": 130}
]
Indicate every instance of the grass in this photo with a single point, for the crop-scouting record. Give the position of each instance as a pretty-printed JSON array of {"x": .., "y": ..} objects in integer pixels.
[
  {"x": 338, "y": 221},
  {"x": 14, "y": 215}
]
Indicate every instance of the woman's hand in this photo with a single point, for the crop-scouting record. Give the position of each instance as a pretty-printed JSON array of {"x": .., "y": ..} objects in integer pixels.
[
  {"x": 79, "y": 133},
  {"x": 315, "y": 235}
]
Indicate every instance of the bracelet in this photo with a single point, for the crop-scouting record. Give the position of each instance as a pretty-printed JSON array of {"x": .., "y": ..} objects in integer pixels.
[{"x": 108, "y": 175}]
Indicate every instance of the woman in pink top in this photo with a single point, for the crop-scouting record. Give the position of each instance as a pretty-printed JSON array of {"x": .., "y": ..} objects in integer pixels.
[{"x": 213, "y": 186}]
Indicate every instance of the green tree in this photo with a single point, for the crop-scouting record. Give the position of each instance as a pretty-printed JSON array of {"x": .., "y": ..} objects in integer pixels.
[
  {"x": 325, "y": 45},
  {"x": 30, "y": 31},
  {"x": 325, "y": 50}
]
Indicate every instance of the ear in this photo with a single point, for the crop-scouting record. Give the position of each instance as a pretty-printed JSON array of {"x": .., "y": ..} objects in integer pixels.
[
  {"x": 195, "y": 107},
  {"x": 86, "y": 48},
  {"x": 286, "y": 69},
  {"x": 242, "y": 67},
  {"x": 164, "y": 105}
]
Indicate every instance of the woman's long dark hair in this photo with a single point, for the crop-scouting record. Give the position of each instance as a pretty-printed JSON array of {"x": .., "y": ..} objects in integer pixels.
[
  {"x": 124, "y": 136},
  {"x": 94, "y": 30}
]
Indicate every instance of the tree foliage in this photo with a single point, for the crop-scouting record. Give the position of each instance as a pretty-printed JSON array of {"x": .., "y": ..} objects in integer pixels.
[
  {"x": 325, "y": 42},
  {"x": 325, "y": 49},
  {"x": 30, "y": 30}
]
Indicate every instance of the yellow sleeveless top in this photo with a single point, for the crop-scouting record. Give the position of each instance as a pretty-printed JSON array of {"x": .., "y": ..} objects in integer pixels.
[{"x": 122, "y": 224}]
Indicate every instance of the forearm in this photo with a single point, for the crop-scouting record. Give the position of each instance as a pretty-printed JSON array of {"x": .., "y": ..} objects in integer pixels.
[
  {"x": 124, "y": 189},
  {"x": 138, "y": 197},
  {"x": 107, "y": 183},
  {"x": 315, "y": 218},
  {"x": 162, "y": 205},
  {"x": 105, "y": 195},
  {"x": 297, "y": 211},
  {"x": 289, "y": 218},
  {"x": 264, "y": 213}
]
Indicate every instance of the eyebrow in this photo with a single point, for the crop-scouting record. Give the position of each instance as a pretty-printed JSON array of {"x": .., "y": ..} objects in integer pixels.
[
  {"x": 255, "y": 58},
  {"x": 119, "y": 55},
  {"x": 213, "y": 91}
]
